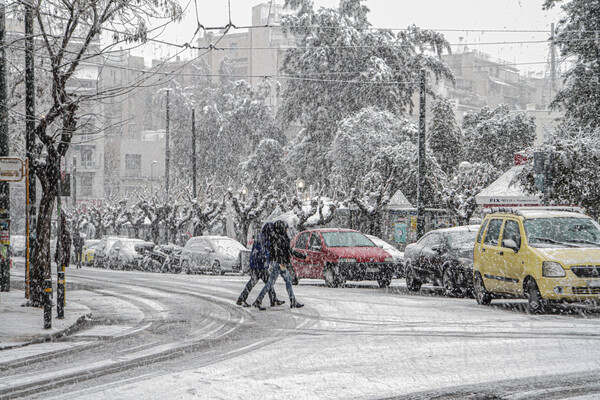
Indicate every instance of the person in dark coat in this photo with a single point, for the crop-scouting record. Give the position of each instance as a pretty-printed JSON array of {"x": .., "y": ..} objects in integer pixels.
[
  {"x": 78, "y": 247},
  {"x": 280, "y": 253},
  {"x": 259, "y": 267},
  {"x": 64, "y": 243}
]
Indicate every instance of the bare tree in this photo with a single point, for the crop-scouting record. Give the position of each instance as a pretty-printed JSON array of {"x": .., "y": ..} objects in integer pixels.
[
  {"x": 248, "y": 211},
  {"x": 317, "y": 207},
  {"x": 69, "y": 31}
]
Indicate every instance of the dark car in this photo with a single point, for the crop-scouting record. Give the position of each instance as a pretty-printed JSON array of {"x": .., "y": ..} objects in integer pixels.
[{"x": 443, "y": 257}]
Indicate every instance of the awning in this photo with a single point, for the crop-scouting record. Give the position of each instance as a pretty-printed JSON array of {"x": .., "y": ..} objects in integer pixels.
[
  {"x": 507, "y": 191},
  {"x": 398, "y": 202}
]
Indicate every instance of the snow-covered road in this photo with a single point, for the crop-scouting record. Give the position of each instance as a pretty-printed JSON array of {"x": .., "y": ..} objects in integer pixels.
[{"x": 354, "y": 342}]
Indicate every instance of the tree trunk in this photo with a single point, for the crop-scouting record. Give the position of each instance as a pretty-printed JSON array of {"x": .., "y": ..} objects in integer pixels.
[{"x": 40, "y": 267}]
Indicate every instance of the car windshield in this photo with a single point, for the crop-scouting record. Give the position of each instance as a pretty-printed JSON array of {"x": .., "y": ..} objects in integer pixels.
[
  {"x": 346, "y": 239},
  {"x": 563, "y": 231},
  {"x": 227, "y": 246},
  {"x": 462, "y": 239}
]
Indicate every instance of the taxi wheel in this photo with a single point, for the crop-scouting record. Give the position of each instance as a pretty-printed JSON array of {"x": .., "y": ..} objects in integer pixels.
[
  {"x": 482, "y": 296},
  {"x": 535, "y": 303},
  {"x": 448, "y": 282}
]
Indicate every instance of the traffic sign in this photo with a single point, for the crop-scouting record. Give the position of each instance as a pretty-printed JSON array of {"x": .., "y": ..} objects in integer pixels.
[{"x": 11, "y": 169}]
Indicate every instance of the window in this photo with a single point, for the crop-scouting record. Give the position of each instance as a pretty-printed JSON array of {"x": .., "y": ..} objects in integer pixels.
[
  {"x": 430, "y": 240},
  {"x": 547, "y": 232},
  {"x": 512, "y": 232},
  {"x": 461, "y": 240},
  {"x": 87, "y": 154},
  {"x": 302, "y": 240},
  {"x": 493, "y": 232},
  {"x": 315, "y": 241},
  {"x": 346, "y": 239},
  {"x": 133, "y": 164},
  {"x": 481, "y": 230}
]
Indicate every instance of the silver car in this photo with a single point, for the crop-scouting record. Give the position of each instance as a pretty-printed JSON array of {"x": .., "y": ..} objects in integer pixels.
[
  {"x": 217, "y": 254},
  {"x": 122, "y": 254}
]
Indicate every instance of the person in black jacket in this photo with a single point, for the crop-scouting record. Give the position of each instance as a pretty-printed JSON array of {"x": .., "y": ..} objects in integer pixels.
[
  {"x": 78, "y": 247},
  {"x": 280, "y": 253},
  {"x": 259, "y": 267}
]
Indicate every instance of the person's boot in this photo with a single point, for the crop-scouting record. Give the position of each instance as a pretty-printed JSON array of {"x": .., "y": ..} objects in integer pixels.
[
  {"x": 277, "y": 302},
  {"x": 258, "y": 305},
  {"x": 242, "y": 303},
  {"x": 296, "y": 304}
]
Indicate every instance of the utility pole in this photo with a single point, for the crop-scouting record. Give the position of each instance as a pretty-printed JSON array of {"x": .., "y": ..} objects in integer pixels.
[
  {"x": 421, "y": 158},
  {"x": 167, "y": 151},
  {"x": 30, "y": 133},
  {"x": 74, "y": 172},
  {"x": 552, "y": 60},
  {"x": 4, "y": 186},
  {"x": 194, "y": 152}
]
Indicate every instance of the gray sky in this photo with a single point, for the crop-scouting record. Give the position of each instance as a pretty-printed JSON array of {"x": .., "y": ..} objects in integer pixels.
[{"x": 455, "y": 18}]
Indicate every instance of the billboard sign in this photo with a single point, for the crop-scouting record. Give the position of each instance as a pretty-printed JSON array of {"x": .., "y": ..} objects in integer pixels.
[{"x": 11, "y": 169}]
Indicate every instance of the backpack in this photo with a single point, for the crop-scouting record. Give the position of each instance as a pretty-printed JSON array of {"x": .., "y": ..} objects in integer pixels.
[{"x": 259, "y": 255}]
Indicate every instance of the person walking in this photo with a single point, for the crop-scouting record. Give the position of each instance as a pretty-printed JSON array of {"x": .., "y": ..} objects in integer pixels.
[
  {"x": 78, "y": 247},
  {"x": 280, "y": 253},
  {"x": 259, "y": 267}
]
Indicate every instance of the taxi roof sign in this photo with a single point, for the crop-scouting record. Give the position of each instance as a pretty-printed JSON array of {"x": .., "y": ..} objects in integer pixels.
[{"x": 11, "y": 169}]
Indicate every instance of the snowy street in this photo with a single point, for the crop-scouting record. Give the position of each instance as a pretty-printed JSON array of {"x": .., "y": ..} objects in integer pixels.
[{"x": 182, "y": 336}]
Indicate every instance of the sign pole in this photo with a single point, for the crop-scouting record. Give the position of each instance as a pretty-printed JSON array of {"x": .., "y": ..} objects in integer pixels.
[{"x": 27, "y": 254}]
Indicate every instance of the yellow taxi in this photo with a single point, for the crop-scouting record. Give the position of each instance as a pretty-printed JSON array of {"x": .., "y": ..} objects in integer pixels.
[
  {"x": 543, "y": 254},
  {"x": 89, "y": 249}
]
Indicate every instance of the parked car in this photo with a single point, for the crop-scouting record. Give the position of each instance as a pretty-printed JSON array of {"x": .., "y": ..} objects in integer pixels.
[
  {"x": 17, "y": 245},
  {"x": 396, "y": 254},
  {"x": 337, "y": 255},
  {"x": 122, "y": 254},
  {"x": 443, "y": 257},
  {"x": 101, "y": 254},
  {"x": 543, "y": 254},
  {"x": 218, "y": 254},
  {"x": 89, "y": 250}
]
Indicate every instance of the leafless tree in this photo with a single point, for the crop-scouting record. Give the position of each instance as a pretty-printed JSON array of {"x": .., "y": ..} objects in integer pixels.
[{"x": 69, "y": 32}]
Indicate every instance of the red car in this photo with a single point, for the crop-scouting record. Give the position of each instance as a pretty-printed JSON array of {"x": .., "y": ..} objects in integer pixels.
[{"x": 337, "y": 255}]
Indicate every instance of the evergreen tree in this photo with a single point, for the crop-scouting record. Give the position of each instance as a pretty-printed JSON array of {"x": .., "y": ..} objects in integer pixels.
[
  {"x": 339, "y": 67},
  {"x": 494, "y": 136},
  {"x": 577, "y": 39},
  {"x": 444, "y": 135}
]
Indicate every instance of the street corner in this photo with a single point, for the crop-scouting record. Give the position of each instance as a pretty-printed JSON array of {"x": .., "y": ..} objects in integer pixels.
[{"x": 21, "y": 325}]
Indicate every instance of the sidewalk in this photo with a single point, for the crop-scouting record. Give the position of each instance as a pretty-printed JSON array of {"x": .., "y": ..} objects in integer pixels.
[{"x": 20, "y": 325}]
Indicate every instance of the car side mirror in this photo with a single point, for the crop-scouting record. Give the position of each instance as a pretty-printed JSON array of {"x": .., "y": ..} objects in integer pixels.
[
  {"x": 315, "y": 248},
  {"x": 438, "y": 248},
  {"x": 510, "y": 244}
]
